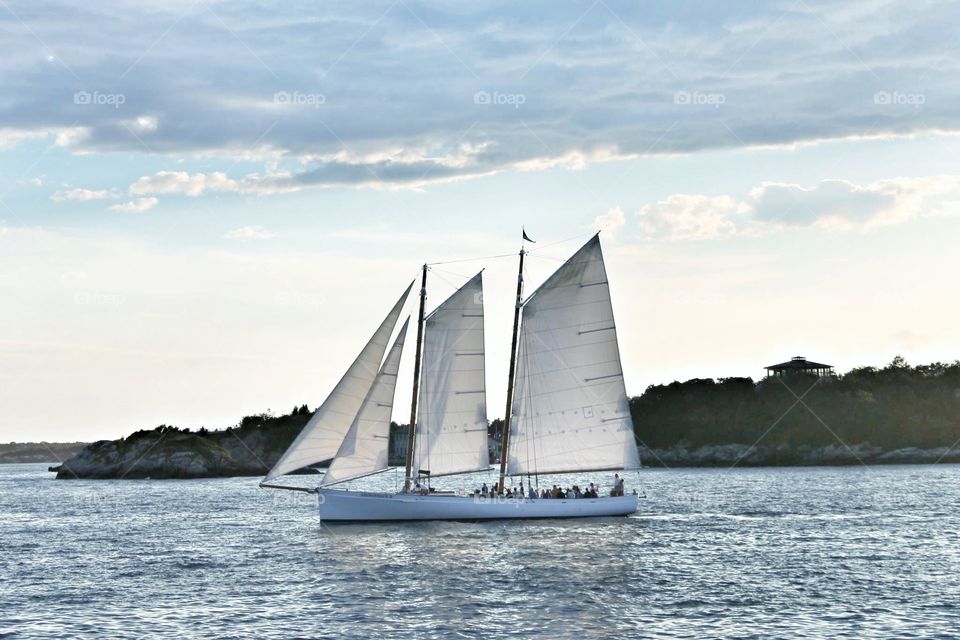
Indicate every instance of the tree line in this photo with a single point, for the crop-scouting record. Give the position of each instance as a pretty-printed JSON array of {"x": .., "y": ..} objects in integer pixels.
[{"x": 892, "y": 407}]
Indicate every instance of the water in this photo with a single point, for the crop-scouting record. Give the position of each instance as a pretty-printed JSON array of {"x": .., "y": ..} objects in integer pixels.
[{"x": 838, "y": 552}]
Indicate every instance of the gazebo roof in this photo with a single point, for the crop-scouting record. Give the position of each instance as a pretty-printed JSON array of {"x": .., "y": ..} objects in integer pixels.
[{"x": 798, "y": 363}]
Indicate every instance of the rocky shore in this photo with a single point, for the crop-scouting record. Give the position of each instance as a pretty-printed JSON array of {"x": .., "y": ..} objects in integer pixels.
[
  {"x": 175, "y": 456},
  {"x": 184, "y": 455},
  {"x": 743, "y": 455},
  {"x": 249, "y": 449},
  {"x": 896, "y": 414}
]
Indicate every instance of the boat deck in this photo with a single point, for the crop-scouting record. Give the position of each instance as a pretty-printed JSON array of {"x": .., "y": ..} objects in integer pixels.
[{"x": 356, "y": 506}]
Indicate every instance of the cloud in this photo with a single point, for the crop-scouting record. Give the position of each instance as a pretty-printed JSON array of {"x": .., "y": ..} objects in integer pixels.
[
  {"x": 829, "y": 204},
  {"x": 137, "y": 205},
  {"x": 690, "y": 217},
  {"x": 610, "y": 221},
  {"x": 84, "y": 195},
  {"x": 399, "y": 168},
  {"x": 846, "y": 205},
  {"x": 421, "y": 94},
  {"x": 249, "y": 233},
  {"x": 12, "y": 136},
  {"x": 182, "y": 183}
]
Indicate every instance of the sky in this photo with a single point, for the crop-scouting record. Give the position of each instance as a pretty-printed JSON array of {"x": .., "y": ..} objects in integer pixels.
[{"x": 206, "y": 208}]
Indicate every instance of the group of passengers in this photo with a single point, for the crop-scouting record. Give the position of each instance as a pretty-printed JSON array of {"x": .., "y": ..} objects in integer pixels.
[
  {"x": 554, "y": 493},
  {"x": 573, "y": 492}
]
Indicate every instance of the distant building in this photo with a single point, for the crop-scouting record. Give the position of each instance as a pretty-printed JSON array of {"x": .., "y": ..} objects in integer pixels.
[{"x": 799, "y": 364}]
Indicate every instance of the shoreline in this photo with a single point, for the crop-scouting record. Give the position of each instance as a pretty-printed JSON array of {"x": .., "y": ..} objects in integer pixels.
[
  {"x": 711, "y": 457},
  {"x": 782, "y": 456}
]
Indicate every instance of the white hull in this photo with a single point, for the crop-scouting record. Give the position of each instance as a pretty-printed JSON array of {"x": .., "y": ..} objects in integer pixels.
[{"x": 356, "y": 506}]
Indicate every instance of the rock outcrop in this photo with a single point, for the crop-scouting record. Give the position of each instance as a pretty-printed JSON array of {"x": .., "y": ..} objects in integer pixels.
[
  {"x": 177, "y": 455},
  {"x": 166, "y": 452}
]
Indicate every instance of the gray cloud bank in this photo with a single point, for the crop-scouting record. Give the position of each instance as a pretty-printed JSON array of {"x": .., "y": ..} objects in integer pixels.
[{"x": 406, "y": 93}]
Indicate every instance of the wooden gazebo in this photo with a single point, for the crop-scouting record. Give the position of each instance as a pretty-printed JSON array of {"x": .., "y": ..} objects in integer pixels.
[{"x": 799, "y": 364}]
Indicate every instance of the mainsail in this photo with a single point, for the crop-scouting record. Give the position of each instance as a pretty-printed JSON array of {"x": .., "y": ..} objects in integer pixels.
[
  {"x": 323, "y": 434},
  {"x": 365, "y": 448},
  {"x": 451, "y": 435},
  {"x": 570, "y": 409}
]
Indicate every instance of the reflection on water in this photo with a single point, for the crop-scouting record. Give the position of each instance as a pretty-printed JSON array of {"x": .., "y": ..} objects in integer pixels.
[{"x": 828, "y": 551}]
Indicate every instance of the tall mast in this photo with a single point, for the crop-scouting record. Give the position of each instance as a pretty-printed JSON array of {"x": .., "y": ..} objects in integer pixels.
[
  {"x": 411, "y": 431},
  {"x": 513, "y": 363}
]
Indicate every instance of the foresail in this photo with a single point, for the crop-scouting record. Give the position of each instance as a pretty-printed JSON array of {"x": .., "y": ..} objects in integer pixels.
[
  {"x": 365, "y": 448},
  {"x": 451, "y": 432},
  {"x": 323, "y": 434},
  {"x": 570, "y": 409}
]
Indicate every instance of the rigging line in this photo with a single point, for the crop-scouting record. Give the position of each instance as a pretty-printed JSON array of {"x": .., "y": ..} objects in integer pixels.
[
  {"x": 579, "y": 235},
  {"x": 447, "y": 282},
  {"x": 545, "y": 257},
  {"x": 503, "y": 255},
  {"x": 426, "y": 433},
  {"x": 526, "y": 273},
  {"x": 511, "y": 255},
  {"x": 526, "y": 386},
  {"x": 538, "y": 418},
  {"x": 453, "y": 273}
]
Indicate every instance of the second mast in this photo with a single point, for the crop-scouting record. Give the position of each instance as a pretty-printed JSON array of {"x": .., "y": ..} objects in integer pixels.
[{"x": 411, "y": 431}]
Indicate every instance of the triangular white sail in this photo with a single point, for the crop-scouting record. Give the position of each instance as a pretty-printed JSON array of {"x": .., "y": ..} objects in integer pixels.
[
  {"x": 570, "y": 409},
  {"x": 323, "y": 434},
  {"x": 451, "y": 432},
  {"x": 365, "y": 448}
]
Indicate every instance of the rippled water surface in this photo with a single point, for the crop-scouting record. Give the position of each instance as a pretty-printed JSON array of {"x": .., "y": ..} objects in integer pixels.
[{"x": 838, "y": 552}]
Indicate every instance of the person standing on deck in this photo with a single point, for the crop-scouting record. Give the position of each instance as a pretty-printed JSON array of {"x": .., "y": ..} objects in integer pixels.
[{"x": 617, "y": 485}]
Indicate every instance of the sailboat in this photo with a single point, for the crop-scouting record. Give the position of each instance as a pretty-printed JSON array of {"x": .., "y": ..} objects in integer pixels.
[{"x": 566, "y": 411}]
